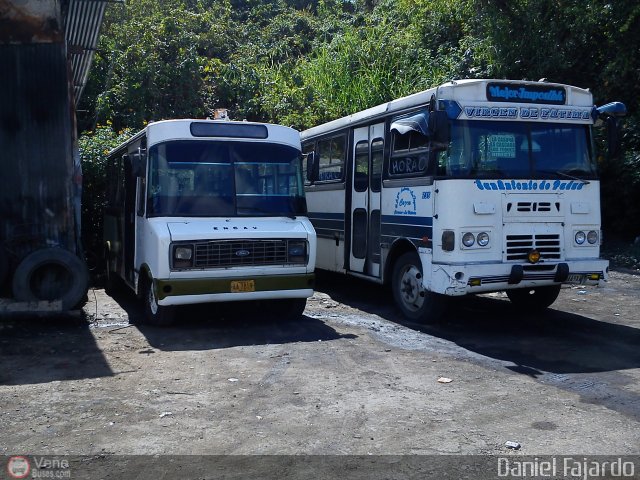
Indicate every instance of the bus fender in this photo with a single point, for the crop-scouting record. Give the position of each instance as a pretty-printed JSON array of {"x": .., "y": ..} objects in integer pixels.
[
  {"x": 398, "y": 248},
  {"x": 144, "y": 275}
]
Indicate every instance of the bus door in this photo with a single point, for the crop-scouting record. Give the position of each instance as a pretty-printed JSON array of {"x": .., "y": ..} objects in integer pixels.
[
  {"x": 368, "y": 147},
  {"x": 130, "y": 182}
]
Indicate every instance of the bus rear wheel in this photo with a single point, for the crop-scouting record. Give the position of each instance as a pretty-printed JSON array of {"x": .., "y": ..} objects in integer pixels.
[
  {"x": 537, "y": 298},
  {"x": 415, "y": 302},
  {"x": 154, "y": 314}
]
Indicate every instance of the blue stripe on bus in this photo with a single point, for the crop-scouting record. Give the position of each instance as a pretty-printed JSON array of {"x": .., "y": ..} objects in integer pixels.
[
  {"x": 407, "y": 220},
  {"x": 416, "y": 229},
  {"x": 327, "y": 225},
  {"x": 408, "y": 231},
  {"x": 329, "y": 216}
]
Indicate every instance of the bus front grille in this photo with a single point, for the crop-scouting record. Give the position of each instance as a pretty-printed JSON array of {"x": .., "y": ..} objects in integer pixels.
[
  {"x": 518, "y": 246},
  {"x": 240, "y": 253}
]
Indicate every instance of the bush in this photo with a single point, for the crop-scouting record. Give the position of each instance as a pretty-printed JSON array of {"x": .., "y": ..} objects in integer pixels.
[{"x": 94, "y": 147}]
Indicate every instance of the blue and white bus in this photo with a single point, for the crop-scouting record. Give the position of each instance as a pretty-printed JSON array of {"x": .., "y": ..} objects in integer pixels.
[{"x": 473, "y": 186}]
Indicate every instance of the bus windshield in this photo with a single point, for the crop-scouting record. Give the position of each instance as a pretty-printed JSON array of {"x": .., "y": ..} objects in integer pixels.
[
  {"x": 486, "y": 149},
  {"x": 196, "y": 178}
]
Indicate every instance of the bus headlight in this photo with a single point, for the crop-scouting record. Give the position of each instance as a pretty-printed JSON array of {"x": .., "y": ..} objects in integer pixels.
[
  {"x": 468, "y": 239},
  {"x": 297, "y": 251},
  {"x": 182, "y": 256},
  {"x": 483, "y": 239},
  {"x": 580, "y": 237},
  {"x": 592, "y": 237}
]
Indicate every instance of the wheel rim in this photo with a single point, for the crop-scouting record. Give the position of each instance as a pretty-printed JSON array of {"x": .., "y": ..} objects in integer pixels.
[
  {"x": 153, "y": 304},
  {"x": 411, "y": 289}
]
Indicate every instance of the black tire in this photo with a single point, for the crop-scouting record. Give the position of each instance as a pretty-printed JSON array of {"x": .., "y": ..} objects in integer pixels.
[
  {"x": 154, "y": 314},
  {"x": 51, "y": 274},
  {"x": 111, "y": 281},
  {"x": 537, "y": 298},
  {"x": 414, "y": 301},
  {"x": 288, "y": 309}
]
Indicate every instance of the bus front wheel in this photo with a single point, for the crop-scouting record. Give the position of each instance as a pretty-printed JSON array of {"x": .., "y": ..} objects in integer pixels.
[
  {"x": 415, "y": 302},
  {"x": 155, "y": 314},
  {"x": 537, "y": 298}
]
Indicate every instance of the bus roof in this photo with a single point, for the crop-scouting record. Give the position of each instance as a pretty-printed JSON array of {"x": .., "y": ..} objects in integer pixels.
[
  {"x": 200, "y": 129},
  {"x": 467, "y": 89}
]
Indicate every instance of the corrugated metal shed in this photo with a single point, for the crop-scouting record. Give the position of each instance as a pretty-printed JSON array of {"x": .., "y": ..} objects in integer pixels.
[
  {"x": 37, "y": 148},
  {"x": 76, "y": 22},
  {"x": 46, "y": 48}
]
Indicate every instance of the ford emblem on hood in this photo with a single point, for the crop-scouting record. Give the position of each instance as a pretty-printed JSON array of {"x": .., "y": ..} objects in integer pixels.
[{"x": 242, "y": 253}]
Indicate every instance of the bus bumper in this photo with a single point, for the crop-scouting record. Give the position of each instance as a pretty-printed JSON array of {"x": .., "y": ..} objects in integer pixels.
[
  {"x": 205, "y": 290},
  {"x": 455, "y": 280}
]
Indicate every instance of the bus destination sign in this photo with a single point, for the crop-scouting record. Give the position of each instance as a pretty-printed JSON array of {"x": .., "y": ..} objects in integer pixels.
[{"x": 526, "y": 93}]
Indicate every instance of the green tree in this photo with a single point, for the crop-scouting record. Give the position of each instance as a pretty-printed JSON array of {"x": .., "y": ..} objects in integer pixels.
[{"x": 94, "y": 146}]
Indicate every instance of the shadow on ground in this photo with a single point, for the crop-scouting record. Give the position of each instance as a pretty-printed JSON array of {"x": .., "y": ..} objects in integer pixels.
[
  {"x": 225, "y": 325},
  {"x": 47, "y": 349},
  {"x": 549, "y": 341}
]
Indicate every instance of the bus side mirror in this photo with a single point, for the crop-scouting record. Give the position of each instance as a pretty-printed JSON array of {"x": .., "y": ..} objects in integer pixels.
[
  {"x": 312, "y": 167},
  {"x": 439, "y": 126},
  {"x": 611, "y": 112},
  {"x": 138, "y": 163}
]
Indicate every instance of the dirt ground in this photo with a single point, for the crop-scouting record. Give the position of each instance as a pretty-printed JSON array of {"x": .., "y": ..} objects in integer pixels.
[{"x": 351, "y": 377}]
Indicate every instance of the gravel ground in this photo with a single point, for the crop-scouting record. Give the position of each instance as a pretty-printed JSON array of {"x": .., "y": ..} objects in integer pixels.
[{"x": 351, "y": 377}]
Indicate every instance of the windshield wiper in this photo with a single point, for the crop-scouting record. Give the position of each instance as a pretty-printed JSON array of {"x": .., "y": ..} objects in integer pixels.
[
  {"x": 565, "y": 175},
  {"x": 573, "y": 177}
]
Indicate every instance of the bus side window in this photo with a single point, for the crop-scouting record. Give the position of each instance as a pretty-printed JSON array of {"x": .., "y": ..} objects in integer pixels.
[
  {"x": 142, "y": 186},
  {"x": 331, "y": 155},
  {"x": 409, "y": 155},
  {"x": 361, "y": 170},
  {"x": 377, "y": 156}
]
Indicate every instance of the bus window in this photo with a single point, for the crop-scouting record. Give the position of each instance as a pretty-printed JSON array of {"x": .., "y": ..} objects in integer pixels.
[
  {"x": 486, "y": 149},
  {"x": 361, "y": 171},
  {"x": 207, "y": 178},
  {"x": 331, "y": 154},
  {"x": 377, "y": 150},
  {"x": 409, "y": 154}
]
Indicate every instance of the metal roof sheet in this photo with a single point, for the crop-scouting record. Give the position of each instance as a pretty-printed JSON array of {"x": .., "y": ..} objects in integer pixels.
[{"x": 82, "y": 29}]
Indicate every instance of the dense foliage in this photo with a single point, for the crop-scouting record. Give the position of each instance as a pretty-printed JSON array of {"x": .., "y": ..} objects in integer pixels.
[
  {"x": 303, "y": 62},
  {"x": 94, "y": 146}
]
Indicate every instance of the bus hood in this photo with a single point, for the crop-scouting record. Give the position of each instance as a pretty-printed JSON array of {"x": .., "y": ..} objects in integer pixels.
[{"x": 233, "y": 228}]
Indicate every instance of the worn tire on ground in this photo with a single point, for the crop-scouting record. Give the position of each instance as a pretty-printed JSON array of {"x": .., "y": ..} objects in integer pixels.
[{"x": 51, "y": 274}]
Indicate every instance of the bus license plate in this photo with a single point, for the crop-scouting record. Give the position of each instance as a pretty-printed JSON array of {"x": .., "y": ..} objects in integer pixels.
[
  {"x": 576, "y": 278},
  {"x": 238, "y": 286}
]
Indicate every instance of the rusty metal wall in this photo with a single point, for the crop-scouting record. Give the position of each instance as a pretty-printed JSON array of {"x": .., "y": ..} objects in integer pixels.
[
  {"x": 31, "y": 21},
  {"x": 36, "y": 149}
]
